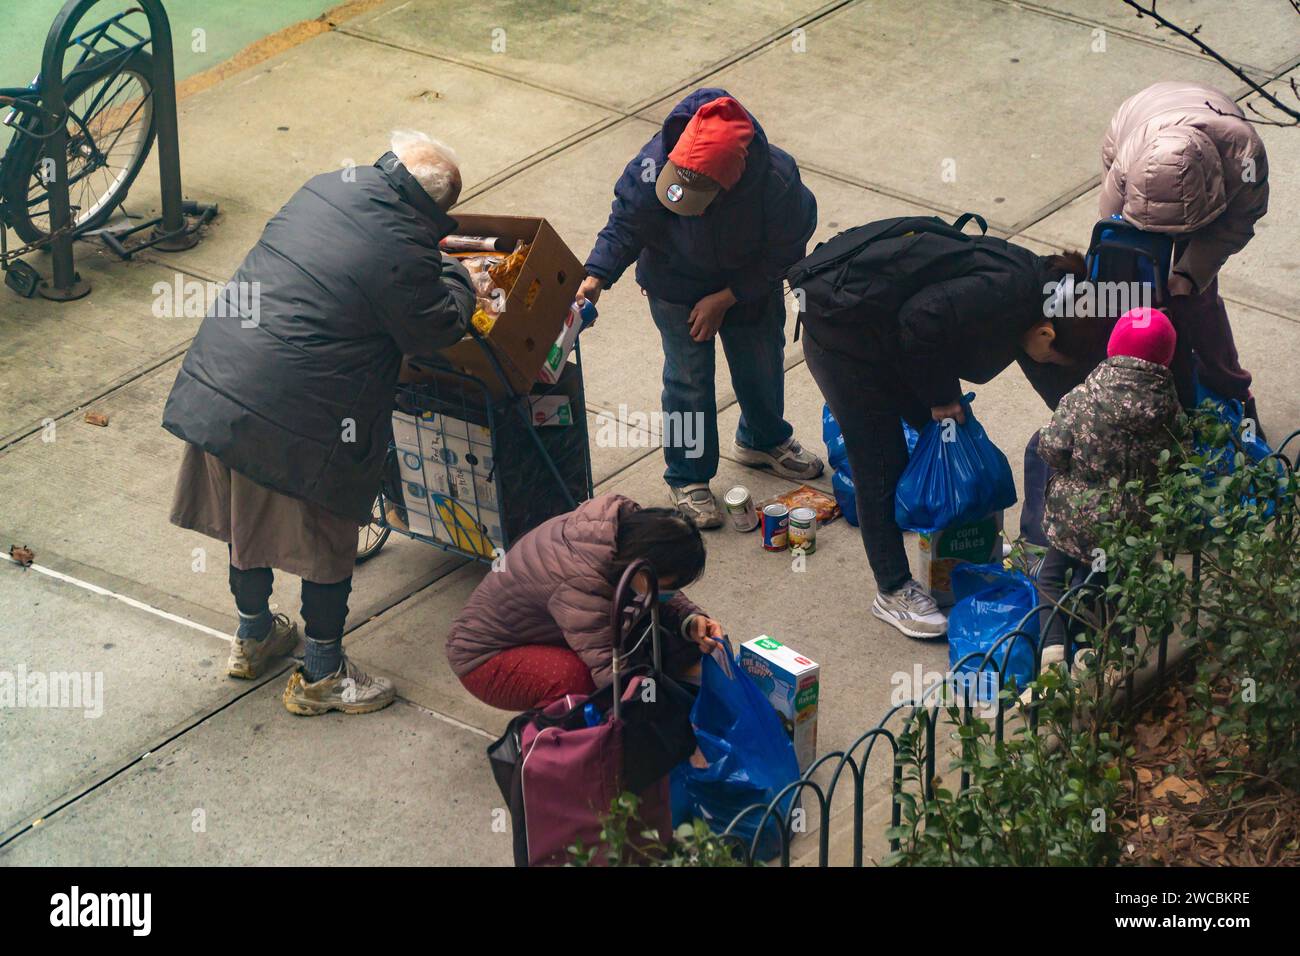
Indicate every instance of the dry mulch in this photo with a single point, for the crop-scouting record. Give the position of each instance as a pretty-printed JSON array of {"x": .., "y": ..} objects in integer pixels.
[{"x": 1172, "y": 816}]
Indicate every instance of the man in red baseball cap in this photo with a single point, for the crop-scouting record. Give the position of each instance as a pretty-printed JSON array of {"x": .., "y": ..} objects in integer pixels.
[{"x": 713, "y": 215}]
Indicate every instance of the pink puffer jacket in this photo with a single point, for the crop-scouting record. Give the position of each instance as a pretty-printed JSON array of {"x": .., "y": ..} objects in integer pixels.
[
  {"x": 553, "y": 588},
  {"x": 1180, "y": 158}
]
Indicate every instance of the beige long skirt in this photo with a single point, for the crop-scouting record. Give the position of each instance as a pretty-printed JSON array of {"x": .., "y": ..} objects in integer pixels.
[{"x": 265, "y": 529}]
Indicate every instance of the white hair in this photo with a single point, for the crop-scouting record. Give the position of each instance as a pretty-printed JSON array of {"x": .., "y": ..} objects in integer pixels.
[{"x": 434, "y": 165}]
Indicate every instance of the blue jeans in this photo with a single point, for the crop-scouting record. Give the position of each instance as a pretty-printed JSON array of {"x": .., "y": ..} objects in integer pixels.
[{"x": 755, "y": 348}]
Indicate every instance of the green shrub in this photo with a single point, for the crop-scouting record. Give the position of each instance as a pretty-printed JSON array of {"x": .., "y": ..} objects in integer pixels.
[
  {"x": 1037, "y": 798},
  {"x": 625, "y": 841},
  {"x": 1045, "y": 796}
]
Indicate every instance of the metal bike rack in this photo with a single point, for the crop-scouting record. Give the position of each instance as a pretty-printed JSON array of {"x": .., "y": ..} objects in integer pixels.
[{"x": 171, "y": 233}]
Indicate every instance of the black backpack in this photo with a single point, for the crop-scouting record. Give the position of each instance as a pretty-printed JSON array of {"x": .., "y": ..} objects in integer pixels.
[{"x": 878, "y": 266}]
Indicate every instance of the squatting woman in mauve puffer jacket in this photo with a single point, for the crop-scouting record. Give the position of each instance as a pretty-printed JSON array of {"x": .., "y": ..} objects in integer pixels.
[
  {"x": 1180, "y": 158},
  {"x": 538, "y": 627}
]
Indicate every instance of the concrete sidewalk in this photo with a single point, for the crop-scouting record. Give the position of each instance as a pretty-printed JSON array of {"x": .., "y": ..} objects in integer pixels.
[{"x": 877, "y": 100}]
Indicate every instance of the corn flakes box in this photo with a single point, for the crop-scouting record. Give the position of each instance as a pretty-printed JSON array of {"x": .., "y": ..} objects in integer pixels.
[{"x": 939, "y": 552}]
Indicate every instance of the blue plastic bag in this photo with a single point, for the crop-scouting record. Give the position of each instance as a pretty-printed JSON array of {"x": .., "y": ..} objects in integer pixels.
[
  {"x": 991, "y": 601},
  {"x": 1230, "y": 412},
  {"x": 841, "y": 476},
  {"x": 750, "y": 756},
  {"x": 911, "y": 436},
  {"x": 836, "y": 453},
  {"x": 846, "y": 496},
  {"x": 953, "y": 482}
]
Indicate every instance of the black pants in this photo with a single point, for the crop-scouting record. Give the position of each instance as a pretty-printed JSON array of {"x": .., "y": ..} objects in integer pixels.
[
  {"x": 324, "y": 606},
  {"x": 1037, "y": 474},
  {"x": 1057, "y": 566},
  {"x": 867, "y": 401}
]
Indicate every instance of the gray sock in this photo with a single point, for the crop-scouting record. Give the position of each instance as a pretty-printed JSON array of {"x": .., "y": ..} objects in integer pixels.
[
  {"x": 255, "y": 627},
  {"x": 322, "y": 659}
]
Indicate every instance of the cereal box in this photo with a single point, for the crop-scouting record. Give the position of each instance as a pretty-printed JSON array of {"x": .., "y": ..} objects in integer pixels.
[
  {"x": 792, "y": 683},
  {"x": 938, "y": 552}
]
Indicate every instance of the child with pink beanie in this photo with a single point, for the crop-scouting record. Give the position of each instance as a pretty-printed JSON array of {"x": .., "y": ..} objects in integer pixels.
[{"x": 1113, "y": 426}]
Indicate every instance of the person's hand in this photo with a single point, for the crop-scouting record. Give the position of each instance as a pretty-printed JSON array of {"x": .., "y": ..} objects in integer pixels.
[
  {"x": 952, "y": 410},
  {"x": 1179, "y": 284},
  {"x": 706, "y": 632},
  {"x": 589, "y": 291},
  {"x": 706, "y": 317}
]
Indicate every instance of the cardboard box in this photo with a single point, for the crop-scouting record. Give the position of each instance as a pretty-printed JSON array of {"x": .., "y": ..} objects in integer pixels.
[
  {"x": 419, "y": 512},
  {"x": 432, "y": 453},
  {"x": 551, "y": 410},
  {"x": 792, "y": 683},
  {"x": 456, "y": 524},
  {"x": 535, "y": 309},
  {"x": 509, "y": 473},
  {"x": 939, "y": 552}
]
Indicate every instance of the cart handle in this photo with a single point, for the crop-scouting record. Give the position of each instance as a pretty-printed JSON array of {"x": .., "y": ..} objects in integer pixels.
[{"x": 628, "y": 610}]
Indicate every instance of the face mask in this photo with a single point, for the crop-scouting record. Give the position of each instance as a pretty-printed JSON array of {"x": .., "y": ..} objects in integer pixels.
[{"x": 666, "y": 596}]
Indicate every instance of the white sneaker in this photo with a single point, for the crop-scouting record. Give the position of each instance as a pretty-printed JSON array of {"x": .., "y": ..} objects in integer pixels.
[
  {"x": 911, "y": 610},
  {"x": 788, "y": 459},
  {"x": 1053, "y": 655},
  {"x": 697, "y": 503}
]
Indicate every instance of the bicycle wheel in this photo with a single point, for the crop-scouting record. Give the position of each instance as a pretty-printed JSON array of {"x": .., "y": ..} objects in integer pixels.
[
  {"x": 110, "y": 131},
  {"x": 371, "y": 537}
]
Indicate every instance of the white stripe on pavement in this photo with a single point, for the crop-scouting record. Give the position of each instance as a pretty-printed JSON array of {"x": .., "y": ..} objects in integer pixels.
[{"x": 96, "y": 589}]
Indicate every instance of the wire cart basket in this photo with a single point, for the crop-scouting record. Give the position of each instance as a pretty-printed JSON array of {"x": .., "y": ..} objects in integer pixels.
[{"x": 471, "y": 467}]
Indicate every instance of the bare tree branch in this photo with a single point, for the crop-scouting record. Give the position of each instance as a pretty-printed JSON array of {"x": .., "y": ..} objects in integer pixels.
[{"x": 1149, "y": 10}]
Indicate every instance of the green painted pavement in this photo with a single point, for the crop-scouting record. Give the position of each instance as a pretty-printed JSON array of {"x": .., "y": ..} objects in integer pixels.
[
  {"x": 228, "y": 26},
  {"x": 204, "y": 32}
]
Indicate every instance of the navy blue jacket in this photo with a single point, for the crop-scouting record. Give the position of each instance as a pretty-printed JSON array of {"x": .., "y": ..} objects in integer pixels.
[{"x": 746, "y": 240}]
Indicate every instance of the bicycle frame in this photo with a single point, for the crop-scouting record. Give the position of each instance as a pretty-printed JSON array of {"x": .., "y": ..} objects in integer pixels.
[
  {"x": 111, "y": 37},
  {"x": 28, "y": 116}
]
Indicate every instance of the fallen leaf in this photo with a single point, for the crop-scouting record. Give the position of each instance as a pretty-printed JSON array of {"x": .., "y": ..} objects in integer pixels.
[
  {"x": 1178, "y": 788},
  {"x": 1150, "y": 735},
  {"x": 22, "y": 554},
  {"x": 1144, "y": 776},
  {"x": 97, "y": 418}
]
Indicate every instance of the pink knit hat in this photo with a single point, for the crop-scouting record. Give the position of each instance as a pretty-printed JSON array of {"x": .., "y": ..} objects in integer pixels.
[{"x": 1145, "y": 334}]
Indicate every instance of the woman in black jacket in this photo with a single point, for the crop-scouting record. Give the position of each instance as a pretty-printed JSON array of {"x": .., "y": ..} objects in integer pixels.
[{"x": 925, "y": 309}]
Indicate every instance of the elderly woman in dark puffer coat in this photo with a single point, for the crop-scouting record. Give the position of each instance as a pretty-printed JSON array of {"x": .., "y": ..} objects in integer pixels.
[{"x": 538, "y": 628}]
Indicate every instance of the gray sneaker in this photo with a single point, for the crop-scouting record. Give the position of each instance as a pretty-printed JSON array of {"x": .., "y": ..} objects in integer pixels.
[
  {"x": 911, "y": 610},
  {"x": 788, "y": 459},
  {"x": 248, "y": 657},
  {"x": 697, "y": 503},
  {"x": 349, "y": 689}
]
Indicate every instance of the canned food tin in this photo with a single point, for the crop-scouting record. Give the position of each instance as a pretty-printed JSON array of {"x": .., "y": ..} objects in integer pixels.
[
  {"x": 802, "y": 531},
  {"x": 740, "y": 505},
  {"x": 776, "y": 519}
]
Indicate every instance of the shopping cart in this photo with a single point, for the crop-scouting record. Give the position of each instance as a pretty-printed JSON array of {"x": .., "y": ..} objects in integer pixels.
[{"x": 474, "y": 465}]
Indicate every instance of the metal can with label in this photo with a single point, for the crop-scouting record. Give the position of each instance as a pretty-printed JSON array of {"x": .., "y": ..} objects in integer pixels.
[
  {"x": 802, "y": 531},
  {"x": 740, "y": 505},
  {"x": 776, "y": 520}
]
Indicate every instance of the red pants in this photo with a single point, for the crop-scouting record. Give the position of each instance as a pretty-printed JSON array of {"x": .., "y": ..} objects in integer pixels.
[{"x": 530, "y": 676}]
